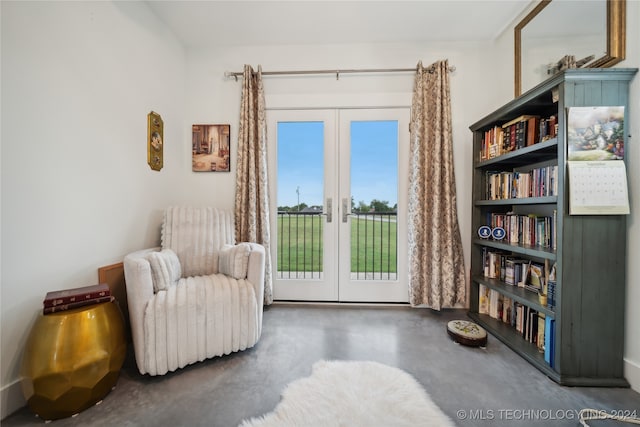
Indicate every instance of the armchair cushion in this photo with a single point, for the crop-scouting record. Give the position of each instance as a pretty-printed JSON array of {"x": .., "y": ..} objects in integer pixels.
[
  {"x": 165, "y": 269},
  {"x": 196, "y": 235},
  {"x": 233, "y": 260}
]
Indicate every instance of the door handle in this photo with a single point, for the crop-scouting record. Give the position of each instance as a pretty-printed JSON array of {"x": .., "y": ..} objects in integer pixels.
[
  {"x": 329, "y": 209},
  {"x": 345, "y": 209}
]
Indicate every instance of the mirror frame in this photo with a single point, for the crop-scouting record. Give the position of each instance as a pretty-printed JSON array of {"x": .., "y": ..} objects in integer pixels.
[{"x": 616, "y": 38}]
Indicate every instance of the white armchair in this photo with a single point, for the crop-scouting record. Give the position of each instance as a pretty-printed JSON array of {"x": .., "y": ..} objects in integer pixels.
[{"x": 199, "y": 297}]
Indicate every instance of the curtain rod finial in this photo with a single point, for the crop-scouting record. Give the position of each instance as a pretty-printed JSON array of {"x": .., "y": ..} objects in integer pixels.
[{"x": 228, "y": 74}]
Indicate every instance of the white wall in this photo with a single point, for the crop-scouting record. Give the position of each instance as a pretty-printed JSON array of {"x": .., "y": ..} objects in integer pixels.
[
  {"x": 632, "y": 324},
  {"x": 78, "y": 80}
]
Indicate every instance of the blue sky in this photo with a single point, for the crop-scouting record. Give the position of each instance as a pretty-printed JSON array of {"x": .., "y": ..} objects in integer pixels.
[{"x": 374, "y": 162}]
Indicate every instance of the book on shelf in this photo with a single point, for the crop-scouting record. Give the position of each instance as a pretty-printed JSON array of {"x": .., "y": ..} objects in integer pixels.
[
  {"x": 524, "y": 274},
  {"x": 495, "y": 304},
  {"x": 509, "y": 139},
  {"x": 521, "y": 134},
  {"x": 513, "y": 270},
  {"x": 492, "y": 143},
  {"x": 548, "y": 128},
  {"x": 514, "y": 309},
  {"x": 506, "y": 309},
  {"x": 554, "y": 230},
  {"x": 532, "y": 333},
  {"x": 518, "y": 317},
  {"x": 66, "y": 296},
  {"x": 551, "y": 288},
  {"x": 551, "y": 294},
  {"x": 540, "y": 341},
  {"x": 549, "y": 327},
  {"x": 533, "y": 130},
  {"x": 494, "y": 265},
  {"x": 535, "y": 282},
  {"x": 483, "y": 300},
  {"x": 77, "y": 304},
  {"x": 510, "y": 268}
]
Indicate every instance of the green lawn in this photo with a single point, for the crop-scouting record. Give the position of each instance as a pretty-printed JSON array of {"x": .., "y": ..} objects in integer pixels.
[
  {"x": 373, "y": 244},
  {"x": 300, "y": 242}
]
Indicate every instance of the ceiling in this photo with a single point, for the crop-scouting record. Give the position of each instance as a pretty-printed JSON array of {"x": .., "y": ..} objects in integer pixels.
[{"x": 236, "y": 23}]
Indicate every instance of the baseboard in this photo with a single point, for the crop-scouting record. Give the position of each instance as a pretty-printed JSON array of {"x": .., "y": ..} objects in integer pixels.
[
  {"x": 341, "y": 304},
  {"x": 11, "y": 399},
  {"x": 632, "y": 374}
]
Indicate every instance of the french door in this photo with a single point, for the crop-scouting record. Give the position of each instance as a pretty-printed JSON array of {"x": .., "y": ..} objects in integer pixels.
[{"x": 338, "y": 186}]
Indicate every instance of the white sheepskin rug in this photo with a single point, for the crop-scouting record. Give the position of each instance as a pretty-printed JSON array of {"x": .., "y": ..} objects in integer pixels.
[{"x": 354, "y": 393}]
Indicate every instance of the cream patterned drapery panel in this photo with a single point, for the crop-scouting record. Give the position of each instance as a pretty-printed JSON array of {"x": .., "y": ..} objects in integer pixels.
[
  {"x": 252, "y": 197},
  {"x": 436, "y": 262}
]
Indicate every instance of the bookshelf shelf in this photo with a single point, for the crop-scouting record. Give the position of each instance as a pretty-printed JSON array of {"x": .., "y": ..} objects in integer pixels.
[
  {"x": 518, "y": 201},
  {"x": 514, "y": 340},
  {"x": 534, "y": 153},
  {"x": 531, "y": 251},
  {"x": 521, "y": 295},
  {"x": 589, "y": 251}
]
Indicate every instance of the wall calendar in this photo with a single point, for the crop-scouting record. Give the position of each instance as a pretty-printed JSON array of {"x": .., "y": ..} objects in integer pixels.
[{"x": 598, "y": 188}]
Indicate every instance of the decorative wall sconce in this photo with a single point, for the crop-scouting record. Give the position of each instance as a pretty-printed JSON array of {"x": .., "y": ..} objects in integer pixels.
[{"x": 155, "y": 141}]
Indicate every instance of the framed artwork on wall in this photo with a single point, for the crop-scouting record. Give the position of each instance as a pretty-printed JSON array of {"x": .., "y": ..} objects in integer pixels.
[
  {"x": 155, "y": 141},
  {"x": 595, "y": 133},
  {"x": 210, "y": 148}
]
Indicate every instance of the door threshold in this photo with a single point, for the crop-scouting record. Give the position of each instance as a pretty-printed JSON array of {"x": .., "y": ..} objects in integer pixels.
[{"x": 344, "y": 304}]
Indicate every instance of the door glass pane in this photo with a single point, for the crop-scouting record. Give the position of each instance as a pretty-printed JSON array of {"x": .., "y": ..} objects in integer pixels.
[
  {"x": 300, "y": 196},
  {"x": 374, "y": 200}
]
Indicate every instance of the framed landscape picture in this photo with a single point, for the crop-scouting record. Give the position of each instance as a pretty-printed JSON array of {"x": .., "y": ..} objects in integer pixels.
[
  {"x": 595, "y": 133},
  {"x": 210, "y": 147}
]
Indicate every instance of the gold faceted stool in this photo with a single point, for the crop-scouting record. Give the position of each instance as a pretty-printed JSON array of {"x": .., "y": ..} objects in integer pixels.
[{"x": 72, "y": 359}]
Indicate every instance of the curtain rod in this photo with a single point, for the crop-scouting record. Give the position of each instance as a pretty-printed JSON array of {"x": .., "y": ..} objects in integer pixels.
[{"x": 236, "y": 74}]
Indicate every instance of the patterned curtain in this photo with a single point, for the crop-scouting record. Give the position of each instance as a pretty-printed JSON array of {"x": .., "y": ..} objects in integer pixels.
[
  {"x": 436, "y": 263},
  {"x": 251, "y": 213}
]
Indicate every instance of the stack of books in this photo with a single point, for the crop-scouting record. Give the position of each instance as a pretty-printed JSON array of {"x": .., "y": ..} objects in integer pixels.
[{"x": 68, "y": 299}]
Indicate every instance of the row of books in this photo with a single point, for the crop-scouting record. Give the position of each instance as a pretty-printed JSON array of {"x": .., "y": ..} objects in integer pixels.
[
  {"x": 511, "y": 136},
  {"x": 514, "y": 271},
  {"x": 531, "y": 230},
  {"x": 493, "y": 144},
  {"x": 539, "y": 182},
  {"x": 531, "y": 324},
  {"x": 67, "y": 299},
  {"x": 518, "y": 133}
]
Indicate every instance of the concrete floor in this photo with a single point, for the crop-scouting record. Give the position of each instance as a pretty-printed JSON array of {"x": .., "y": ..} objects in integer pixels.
[{"x": 475, "y": 387}]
